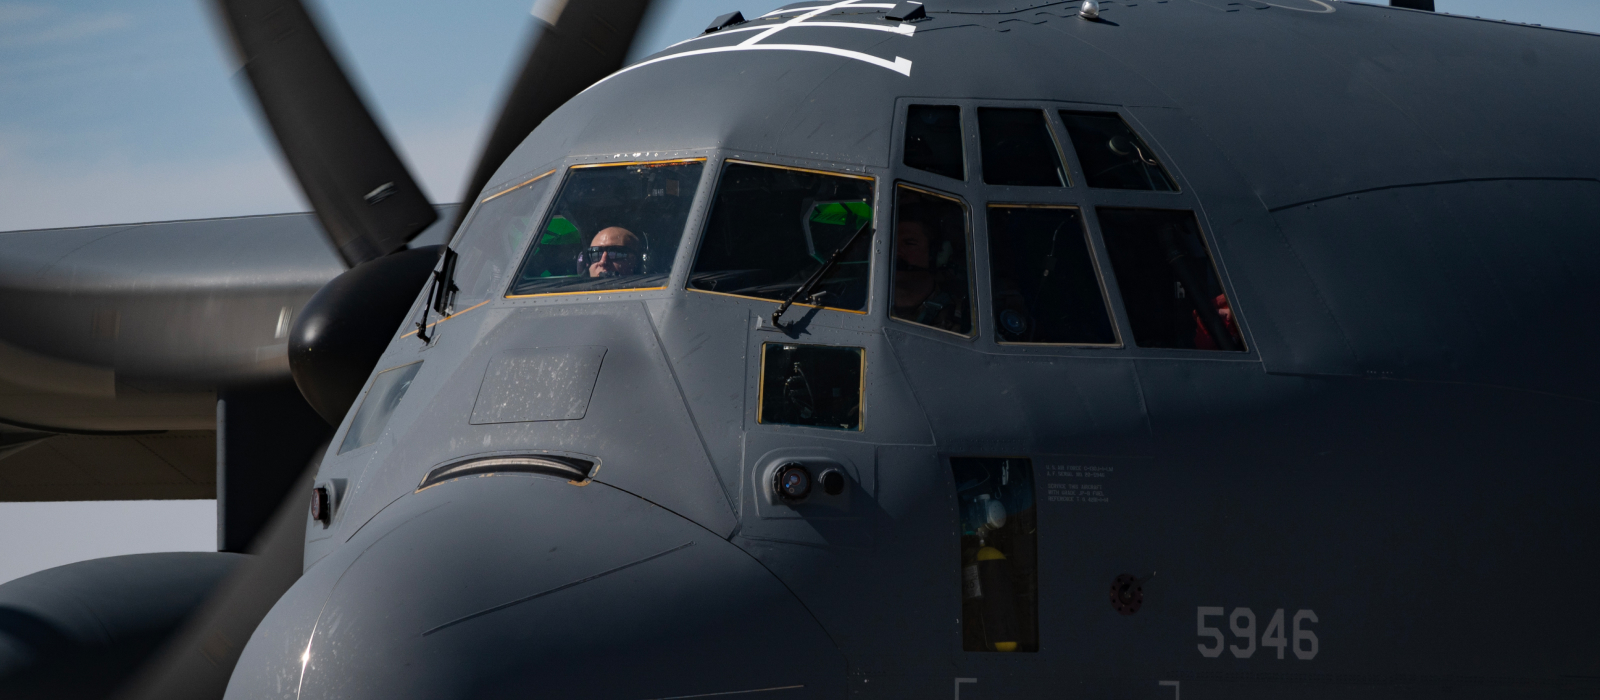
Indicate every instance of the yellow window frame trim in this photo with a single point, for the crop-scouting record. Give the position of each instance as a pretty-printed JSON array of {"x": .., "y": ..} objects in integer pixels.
[
  {"x": 869, "y": 178},
  {"x": 464, "y": 225},
  {"x": 761, "y": 385},
  {"x": 583, "y": 166}
]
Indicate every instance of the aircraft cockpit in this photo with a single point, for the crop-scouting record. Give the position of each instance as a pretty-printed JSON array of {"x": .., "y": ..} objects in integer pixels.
[{"x": 1089, "y": 240}]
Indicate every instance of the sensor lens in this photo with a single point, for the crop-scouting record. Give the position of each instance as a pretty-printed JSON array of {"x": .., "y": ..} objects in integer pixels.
[
  {"x": 833, "y": 482},
  {"x": 793, "y": 482}
]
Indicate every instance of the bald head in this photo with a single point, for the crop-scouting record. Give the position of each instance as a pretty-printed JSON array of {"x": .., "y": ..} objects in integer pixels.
[{"x": 621, "y": 256}]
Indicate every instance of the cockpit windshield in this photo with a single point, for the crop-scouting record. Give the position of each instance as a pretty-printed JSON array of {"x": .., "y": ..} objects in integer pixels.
[
  {"x": 612, "y": 227},
  {"x": 771, "y": 228}
]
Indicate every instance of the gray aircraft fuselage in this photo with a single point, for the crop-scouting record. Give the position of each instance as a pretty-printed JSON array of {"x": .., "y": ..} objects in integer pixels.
[{"x": 1385, "y": 492}]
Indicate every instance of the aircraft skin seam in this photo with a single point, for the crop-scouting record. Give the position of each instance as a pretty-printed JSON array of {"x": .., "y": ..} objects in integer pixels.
[
  {"x": 683, "y": 399},
  {"x": 1528, "y": 178},
  {"x": 557, "y": 589}
]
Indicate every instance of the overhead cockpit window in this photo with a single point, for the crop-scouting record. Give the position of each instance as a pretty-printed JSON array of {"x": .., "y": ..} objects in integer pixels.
[
  {"x": 931, "y": 270},
  {"x": 771, "y": 228},
  {"x": 612, "y": 227},
  {"x": 1112, "y": 155},
  {"x": 1018, "y": 148},
  {"x": 1045, "y": 286},
  {"x": 999, "y": 554},
  {"x": 933, "y": 140},
  {"x": 488, "y": 246},
  {"x": 1169, "y": 285}
]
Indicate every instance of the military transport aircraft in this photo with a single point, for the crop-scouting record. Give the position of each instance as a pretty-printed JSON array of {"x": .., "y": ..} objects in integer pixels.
[{"x": 975, "y": 348}]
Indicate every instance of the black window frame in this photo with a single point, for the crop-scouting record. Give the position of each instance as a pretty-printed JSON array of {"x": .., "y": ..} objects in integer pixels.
[
  {"x": 971, "y": 240},
  {"x": 978, "y": 197}
]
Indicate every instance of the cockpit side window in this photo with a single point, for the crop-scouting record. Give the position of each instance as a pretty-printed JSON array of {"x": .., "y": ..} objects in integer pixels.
[
  {"x": 933, "y": 140},
  {"x": 1018, "y": 149},
  {"x": 772, "y": 227},
  {"x": 1045, "y": 286},
  {"x": 1112, "y": 155},
  {"x": 1169, "y": 285},
  {"x": 489, "y": 244},
  {"x": 932, "y": 269},
  {"x": 613, "y": 226}
]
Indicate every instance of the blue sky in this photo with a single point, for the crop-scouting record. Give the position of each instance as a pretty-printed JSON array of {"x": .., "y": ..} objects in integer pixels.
[{"x": 114, "y": 112}]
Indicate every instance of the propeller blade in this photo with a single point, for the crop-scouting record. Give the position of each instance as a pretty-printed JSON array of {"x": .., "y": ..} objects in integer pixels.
[
  {"x": 197, "y": 663},
  {"x": 367, "y": 201},
  {"x": 575, "y": 43}
]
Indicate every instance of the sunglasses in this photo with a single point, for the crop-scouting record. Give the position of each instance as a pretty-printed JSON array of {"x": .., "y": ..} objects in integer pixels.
[{"x": 617, "y": 252}]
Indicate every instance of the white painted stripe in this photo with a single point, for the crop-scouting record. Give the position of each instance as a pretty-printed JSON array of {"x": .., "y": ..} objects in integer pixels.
[
  {"x": 883, "y": 6},
  {"x": 898, "y": 65},
  {"x": 900, "y": 28}
]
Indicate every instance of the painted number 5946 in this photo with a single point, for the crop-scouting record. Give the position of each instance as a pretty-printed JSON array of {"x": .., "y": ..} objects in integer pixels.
[{"x": 1242, "y": 622}]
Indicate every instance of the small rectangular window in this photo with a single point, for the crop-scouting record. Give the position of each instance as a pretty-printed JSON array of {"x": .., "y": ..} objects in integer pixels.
[
  {"x": 488, "y": 246},
  {"x": 1112, "y": 155},
  {"x": 931, "y": 268},
  {"x": 614, "y": 226},
  {"x": 1045, "y": 286},
  {"x": 999, "y": 554},
  {"x": 813, "y": 385},
  {"x": 1018, "y": 148},
  {"x": 1169, "y": 285},
  {"x": 933, "y": 140},
  {"x": 387, "y": 389}
]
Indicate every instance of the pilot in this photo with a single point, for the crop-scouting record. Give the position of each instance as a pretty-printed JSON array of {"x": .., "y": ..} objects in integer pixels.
[
  {"x": 613, "y": 252},
  {"x": 923, "y": 291}
]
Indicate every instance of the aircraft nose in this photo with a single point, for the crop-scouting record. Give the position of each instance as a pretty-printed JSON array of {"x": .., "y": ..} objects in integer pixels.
[{"x": 533, "y": 587}]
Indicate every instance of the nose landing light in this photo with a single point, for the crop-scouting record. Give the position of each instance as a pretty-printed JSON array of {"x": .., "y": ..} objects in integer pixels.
[{"x": 792, "y": 482}]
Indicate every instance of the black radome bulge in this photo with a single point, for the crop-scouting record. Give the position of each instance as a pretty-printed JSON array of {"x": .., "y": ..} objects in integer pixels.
[
  {"x": 1112, "y": 155},
  {"x": 1018, "y": 149},
  {"x": 1168, "y": 283},
  {"x": 933, "y": 140}
]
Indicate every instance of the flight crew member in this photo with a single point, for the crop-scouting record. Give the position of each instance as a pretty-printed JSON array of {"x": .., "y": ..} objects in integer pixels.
[
  {"x": 922, "y": 291},
  {"x": 613, "y": 252},
  {"x": 1202, "y": 337}
]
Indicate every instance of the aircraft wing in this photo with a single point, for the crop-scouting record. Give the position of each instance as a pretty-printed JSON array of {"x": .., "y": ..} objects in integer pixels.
[{"x": 114, "y": 341}]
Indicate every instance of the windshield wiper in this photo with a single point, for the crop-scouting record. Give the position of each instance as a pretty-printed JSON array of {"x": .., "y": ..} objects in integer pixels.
[
  {"x": 440, "y": 293},
  {"x": 804, "y": 290}
]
